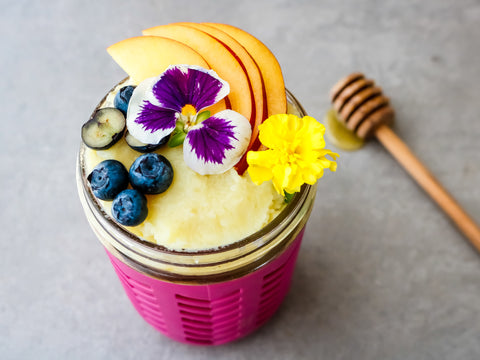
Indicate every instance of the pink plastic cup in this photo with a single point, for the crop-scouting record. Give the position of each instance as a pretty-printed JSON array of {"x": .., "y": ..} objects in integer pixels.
[{"x": 211, "y": 297}]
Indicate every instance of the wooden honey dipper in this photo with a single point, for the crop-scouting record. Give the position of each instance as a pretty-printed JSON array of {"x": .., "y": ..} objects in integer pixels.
[{"x": 362, "y": 108}]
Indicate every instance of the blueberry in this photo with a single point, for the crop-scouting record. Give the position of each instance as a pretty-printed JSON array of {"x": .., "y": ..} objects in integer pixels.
[
  {"x": 104, "y": 128},
  {"x": 122, "y": 98},
  {"x": 137, "y": 145},
  {"x": 151, "y": 173},
  {"x": 129, "y": 207},
  {"x": 107, "y": 179}
]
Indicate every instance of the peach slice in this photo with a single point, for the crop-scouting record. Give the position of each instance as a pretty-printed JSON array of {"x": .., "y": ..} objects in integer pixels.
[
  {"x": 148, "y": 56},
  {"x": 267, "y": 63},
  {"x": 217, "y": 57},
  {"x": 247, "y": 63},
  {"x": 143, "y": 57},
  {"x": 256, "y": 81}
]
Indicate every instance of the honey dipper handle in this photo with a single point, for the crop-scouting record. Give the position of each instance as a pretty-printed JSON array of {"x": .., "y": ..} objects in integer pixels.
[{"x": 427, "y": 181}]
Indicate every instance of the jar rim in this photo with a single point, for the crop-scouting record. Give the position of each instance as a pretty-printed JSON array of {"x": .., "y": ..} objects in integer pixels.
[{"x": 122, "y": 240}]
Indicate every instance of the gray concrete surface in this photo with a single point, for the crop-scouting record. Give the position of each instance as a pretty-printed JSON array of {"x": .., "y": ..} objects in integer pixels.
[{"x": 382, "y": 273}]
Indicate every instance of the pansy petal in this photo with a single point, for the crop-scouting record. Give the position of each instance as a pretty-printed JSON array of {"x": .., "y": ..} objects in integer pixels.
[
  {"x": 180, "y": 85},
  {"x": 217, "y": 144},
  {"x": 146, "y": 120}
]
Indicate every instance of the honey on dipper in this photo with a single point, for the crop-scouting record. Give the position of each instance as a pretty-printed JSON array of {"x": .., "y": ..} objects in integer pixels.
[{"x": 360, "y": 110}]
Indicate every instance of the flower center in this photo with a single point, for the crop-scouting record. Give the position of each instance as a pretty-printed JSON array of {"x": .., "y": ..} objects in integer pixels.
[
  {"x": 189, "y": 110},
  {"x": 188, "y": 115},
  {"x": 288, "y": 156}
]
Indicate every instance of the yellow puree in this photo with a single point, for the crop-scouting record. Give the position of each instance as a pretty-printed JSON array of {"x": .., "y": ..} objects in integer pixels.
[{"x": 197, "y": 212}]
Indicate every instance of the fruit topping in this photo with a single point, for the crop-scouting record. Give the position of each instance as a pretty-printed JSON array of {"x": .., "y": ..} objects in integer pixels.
[
  {"x": 129, "y": 207},
  {"x": 105, "y": 128},
  {"x": 139, "y": 146},
  {"x": 145, "y": 56},
  {"x": 226, "y": 65},
  {"x": 151, "y": 173},
  {"x": 108, "y": 179},
  {"x": 122, "y": 98}
]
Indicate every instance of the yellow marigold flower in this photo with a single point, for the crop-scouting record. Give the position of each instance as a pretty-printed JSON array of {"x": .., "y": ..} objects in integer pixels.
[{"x": 295, "y": 153}]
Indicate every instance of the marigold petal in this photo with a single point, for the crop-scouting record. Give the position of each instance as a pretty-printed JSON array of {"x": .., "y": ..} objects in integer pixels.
[
  {"x": 259, "y": 174},
  {"x": 312, "y": 178},
  {"x": 266, "y": 158},
  {"x": 296, "y": 181},
  {"x": 280, "y": 177},
  {"x": 268, "y": 133}
]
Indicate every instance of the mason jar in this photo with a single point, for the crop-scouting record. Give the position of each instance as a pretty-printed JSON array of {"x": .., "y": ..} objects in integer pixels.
[{"x": 205, "y": 297}]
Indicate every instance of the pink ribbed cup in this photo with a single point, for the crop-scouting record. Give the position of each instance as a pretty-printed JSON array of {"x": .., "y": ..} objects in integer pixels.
[
  {"x": 206, "y": 297},
  {"x": 210, "y": 314}
]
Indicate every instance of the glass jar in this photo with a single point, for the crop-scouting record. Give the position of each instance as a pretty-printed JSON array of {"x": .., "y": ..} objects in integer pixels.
[{"x": 204, "y": 297}]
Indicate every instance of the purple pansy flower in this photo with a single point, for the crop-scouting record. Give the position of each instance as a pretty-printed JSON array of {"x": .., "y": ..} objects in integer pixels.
[
  {"x": 159, "y": 105},
  {"x": 217, "y": 144}
]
